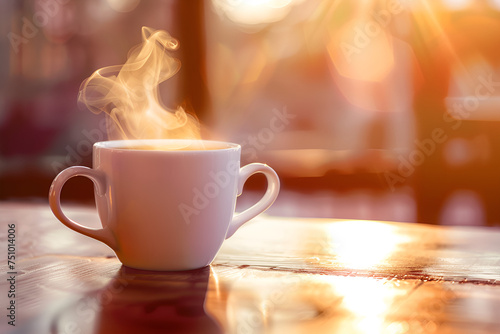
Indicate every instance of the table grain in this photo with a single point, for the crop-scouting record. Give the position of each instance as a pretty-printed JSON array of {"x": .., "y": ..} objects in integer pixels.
[{"x": 275, "y": 275}]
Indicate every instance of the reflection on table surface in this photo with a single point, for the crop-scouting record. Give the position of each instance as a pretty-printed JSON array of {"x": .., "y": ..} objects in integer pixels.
[{"x": 276, "y": 275}]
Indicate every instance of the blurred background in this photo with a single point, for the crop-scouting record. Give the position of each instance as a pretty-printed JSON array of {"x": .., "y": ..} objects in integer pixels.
[{"x": 367, "y": 109}]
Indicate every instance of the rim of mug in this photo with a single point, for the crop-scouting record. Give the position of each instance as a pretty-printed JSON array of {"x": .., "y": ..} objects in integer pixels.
[{"x": 128, "y": 145}]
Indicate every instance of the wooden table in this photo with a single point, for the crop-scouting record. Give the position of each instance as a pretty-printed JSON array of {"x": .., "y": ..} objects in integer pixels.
[{"x": 275, "y": 275}]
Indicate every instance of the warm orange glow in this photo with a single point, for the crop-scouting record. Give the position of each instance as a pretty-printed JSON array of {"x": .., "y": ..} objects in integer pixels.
[
  {"x": 359, "y": 54},
  {"x": 430, "y": 23},
  {"x": 128, "y": 93},
  {"x": 363, "y": 52}
]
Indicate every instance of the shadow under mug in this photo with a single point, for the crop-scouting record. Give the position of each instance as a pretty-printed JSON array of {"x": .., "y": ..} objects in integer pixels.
[{"x": 166, "y": 204}]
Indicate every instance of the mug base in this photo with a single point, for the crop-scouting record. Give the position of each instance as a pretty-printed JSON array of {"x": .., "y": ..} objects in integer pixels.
[{"x": 163, "y": 268}]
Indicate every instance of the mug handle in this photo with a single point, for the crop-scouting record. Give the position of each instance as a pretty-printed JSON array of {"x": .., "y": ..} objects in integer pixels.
[
  {"x": 99, "y": 179},
  {"x": 273, "y": 186}
]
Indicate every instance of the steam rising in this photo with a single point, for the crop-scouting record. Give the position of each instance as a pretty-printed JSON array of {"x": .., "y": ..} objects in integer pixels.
[{"x": 128, "y": 93}]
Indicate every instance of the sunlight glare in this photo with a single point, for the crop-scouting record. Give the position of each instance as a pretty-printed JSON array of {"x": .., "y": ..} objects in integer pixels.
[
  {"x": 369, "y": 303},
  {"x": 363, "y": 244}
]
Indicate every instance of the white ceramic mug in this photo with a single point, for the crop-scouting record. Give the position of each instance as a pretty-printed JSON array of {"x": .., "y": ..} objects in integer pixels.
[{"x": 167, "y": 206}]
